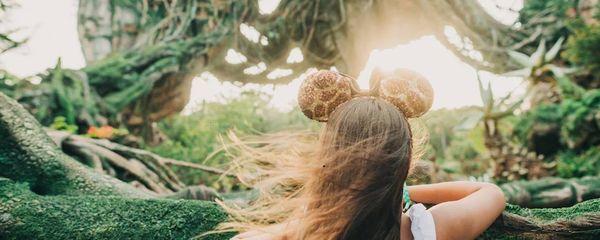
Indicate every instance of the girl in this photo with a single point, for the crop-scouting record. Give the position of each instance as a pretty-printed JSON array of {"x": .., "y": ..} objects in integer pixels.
[{"x": 352, "y": 186}]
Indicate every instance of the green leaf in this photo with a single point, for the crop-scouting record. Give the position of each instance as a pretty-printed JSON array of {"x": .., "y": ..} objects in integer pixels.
[
  {"x": 567, "y": 87},
  {"x": 469, "y": 122},
  {"x": 553, "y": 52},
  {"x": 486, "y": 95},
  {"x": 537, "y": 58},
  {"x": 523, "y": 72},
  {"x": 521, "y": 58}
]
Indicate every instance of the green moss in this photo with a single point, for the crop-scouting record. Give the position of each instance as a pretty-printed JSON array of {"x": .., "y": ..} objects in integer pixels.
[
  {"x": 542, "y": 114},
  {"x": 28, "y": 155},
  {"x": 581, "y": 126},
  {"x": 547, "y": 215},
  {"x": 536, "y": 223},
  {"x": 571, "y": 164},
  {"x": 24, "y": 215},
  {"x": 583, "y": 46}
]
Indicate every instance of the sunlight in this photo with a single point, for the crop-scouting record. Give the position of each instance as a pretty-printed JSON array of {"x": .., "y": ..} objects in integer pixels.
[
  {"x": 264, "y": 40},
  {"x": 454, "y": 82},
  {"x": 235, "y": 57},
  {"x": 257, "y": 69},
  {"x": 250, "y": 32},
  {"x": 253, "y": 35},
  {"x": 295, "y": 56},
  {"x": 505, "y": 11},
  {"x": 267, "y": 6},
  {"x": 279, "y": 72}
]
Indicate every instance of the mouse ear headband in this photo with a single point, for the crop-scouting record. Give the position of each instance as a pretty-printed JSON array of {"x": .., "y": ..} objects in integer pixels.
[{"x": 322, "y": 92}]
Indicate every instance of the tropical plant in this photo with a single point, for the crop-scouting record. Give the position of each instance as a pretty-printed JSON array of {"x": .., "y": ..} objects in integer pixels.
[{"x": 198, "y": 138}]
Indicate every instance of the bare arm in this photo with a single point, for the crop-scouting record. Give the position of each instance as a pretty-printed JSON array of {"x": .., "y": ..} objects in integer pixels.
[{"x": 464, "y": 209}]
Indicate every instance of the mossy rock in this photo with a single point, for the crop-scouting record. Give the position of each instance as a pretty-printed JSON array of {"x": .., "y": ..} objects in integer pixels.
[{"x": 25, "y": 215}]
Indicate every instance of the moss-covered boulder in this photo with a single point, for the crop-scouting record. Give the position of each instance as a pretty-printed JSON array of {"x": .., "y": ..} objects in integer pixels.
[{"x": 26, "y": 215}]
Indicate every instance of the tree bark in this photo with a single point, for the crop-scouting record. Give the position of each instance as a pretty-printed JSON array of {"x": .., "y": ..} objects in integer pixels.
[
  {"x": 28, "y": 155},
  {"x": 551, "y": 192}
]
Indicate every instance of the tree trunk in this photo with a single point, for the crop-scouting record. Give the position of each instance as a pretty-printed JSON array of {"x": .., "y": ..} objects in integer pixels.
[
  {"x": 143, "y": 55},
  {"x": 551, "y": 192},
  {"x": 28, "y": 155}
]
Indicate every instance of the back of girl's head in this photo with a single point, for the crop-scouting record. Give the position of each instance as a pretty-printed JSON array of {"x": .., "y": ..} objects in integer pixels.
[
  {"x": 345, "y": 185},
  {"x": 364, "y": 157},
  {"x": 367, "y": 122}
]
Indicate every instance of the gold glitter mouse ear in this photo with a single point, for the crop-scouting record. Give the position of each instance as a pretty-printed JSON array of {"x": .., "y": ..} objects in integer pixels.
[
  {"x": 409, "y": 91},
  {"x": 323, "y": 91}
]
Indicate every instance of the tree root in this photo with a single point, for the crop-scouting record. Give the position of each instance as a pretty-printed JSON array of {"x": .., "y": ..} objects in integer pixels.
[
  {"x": 552, "y": 192},
  {"x": 148, "y": 169},
  {"x": 581, "y": 221},
  {"x": 29, "y": 156}
]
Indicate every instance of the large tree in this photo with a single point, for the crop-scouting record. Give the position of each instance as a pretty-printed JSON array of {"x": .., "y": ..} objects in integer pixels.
[{"x": 142, "y": 55}]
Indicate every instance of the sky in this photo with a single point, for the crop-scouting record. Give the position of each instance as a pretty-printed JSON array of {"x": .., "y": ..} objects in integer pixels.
[{"x": 51, "y": 30}]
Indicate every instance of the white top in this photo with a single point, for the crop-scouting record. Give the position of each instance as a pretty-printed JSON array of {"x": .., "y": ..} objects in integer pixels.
[{"x": 421, "y": 223}]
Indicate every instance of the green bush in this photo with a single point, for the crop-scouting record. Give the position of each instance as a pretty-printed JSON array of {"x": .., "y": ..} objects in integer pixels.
[
  {"x": 547, "y": 114},
  {"x": 578, "y": 121},
  {"x": 446, "y": 125},
  {"x": 572, "y": 165},
  {"x": 196, "y": 136},
  {"x": 583, "y": 47},
  {"x": 60, "y": 123},
  {"x": 456, "y": 141},
  {"x": 581, "y": 120}
]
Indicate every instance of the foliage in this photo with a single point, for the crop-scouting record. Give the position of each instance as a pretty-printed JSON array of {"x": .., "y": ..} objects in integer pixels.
[
  {"x": 583, "y": 47},
  {"x": 60, "y": 123},
  {"x": 542, "y": 114},
  {"x": 106, "y": 132},
  {"x": 532, "y": 8},
  {"x": 577, "y": 120},
  {"x": 569, "y": 130},
  {"x": 86, "y": 97},
  {"x": 195, "y": 137},
  {"x": 456, "y": 140},
  {"x": 548, "y": 16},
  {"x": 572, "y": 164},
  {"x": 471, "y": 162},
  {"x": 7, "y": 42},
  {"x": 445, "y": 125},
  {"x": 581, "y": 120}
]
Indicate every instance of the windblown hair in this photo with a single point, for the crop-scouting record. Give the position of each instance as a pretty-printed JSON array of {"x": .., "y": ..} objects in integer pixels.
[{"x": 347, "y": 185}]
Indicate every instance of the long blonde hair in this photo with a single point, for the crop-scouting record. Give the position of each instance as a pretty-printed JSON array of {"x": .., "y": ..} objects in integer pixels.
[{"x": 346, "y": 185}]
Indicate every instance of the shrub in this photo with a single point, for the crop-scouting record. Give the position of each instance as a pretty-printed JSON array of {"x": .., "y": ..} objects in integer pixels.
[{"x": 197, "y": 136}]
